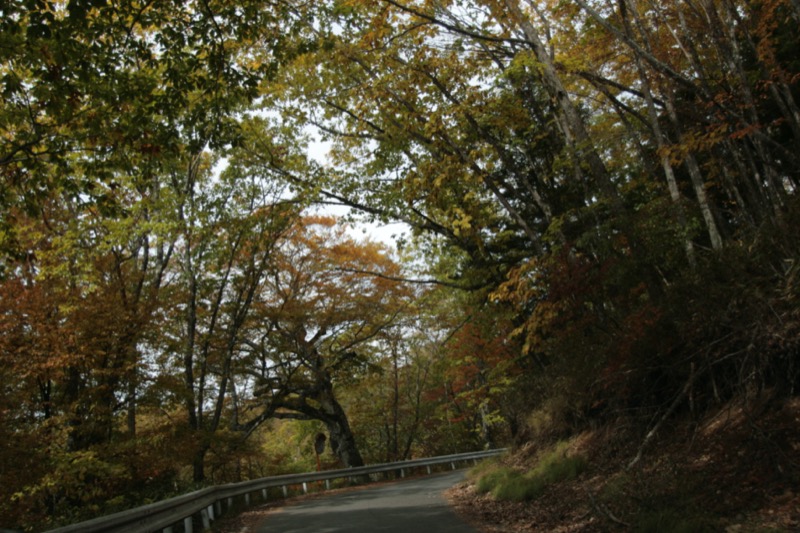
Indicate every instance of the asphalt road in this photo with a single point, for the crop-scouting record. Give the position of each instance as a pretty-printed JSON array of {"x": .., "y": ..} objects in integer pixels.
[{"x": 415, "y": 505}]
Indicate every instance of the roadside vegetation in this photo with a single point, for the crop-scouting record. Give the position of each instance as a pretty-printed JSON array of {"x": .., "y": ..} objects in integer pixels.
[
  {"x": 734, "y": 470},
  {"x": 509, "y": 484},
  {"x": 599, "y": 261}
]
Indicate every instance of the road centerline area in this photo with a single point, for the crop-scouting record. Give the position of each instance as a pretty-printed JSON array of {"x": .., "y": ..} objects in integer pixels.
[{"x": 412, "y": 505}]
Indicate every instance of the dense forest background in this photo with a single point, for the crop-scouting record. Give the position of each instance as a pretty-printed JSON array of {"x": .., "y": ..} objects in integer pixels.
[{"x": 602, "y": 199}]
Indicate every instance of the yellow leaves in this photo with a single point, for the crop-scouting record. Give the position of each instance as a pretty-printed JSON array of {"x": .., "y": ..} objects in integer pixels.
[
  {"x": 523, "y": 64},
  {"x": 694, "y": 142},
  {"x": 575, "y": 63},
  {"x": 355, "y": 4},
  {"x": 378, "y": 33},
  {"x": 462, "y": 221},
  {"x": 520, "y": 285},
  {"x": 525, "y": 288},
  {"x": 330, "y": 277}
]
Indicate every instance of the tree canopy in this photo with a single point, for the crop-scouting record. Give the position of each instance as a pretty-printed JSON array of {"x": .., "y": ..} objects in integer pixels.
[{"x": 602, "y": 200}]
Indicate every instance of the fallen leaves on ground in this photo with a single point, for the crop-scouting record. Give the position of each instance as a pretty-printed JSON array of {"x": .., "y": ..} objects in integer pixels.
[{"x": 737, "y": 469}]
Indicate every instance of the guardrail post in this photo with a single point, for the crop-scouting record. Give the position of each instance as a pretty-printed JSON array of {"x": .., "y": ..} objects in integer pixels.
[
  {"x": 188, "y": 527},
  {"x": 217, "y": 509},
  {"x": 167, "y": 529},
  {"x": 205, "y": 517},
  {"x": 453, "y": 465},
  {"x": 328, "y": 484},
  {"x": 230, "y": 503},
  {"x": 402, "y": 473},
  {"x": 285, "y": 491},
  {"x": 264, "y": 494},
  {"x": 429, "y": 469},
  {"x": 247, "y": 499},
  {"x": 305, "y": 487}
]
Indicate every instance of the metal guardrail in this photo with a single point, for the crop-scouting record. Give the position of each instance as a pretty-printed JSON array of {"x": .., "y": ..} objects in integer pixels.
[{"x": 166, "y": 514}]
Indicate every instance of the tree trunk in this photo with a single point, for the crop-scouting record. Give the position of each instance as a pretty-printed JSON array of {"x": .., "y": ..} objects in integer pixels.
[
  {"x": 661, "y": 142},
  {"x": 573, "y": 126},
  {"x": 198, "y": 464},
  {"x": 343, "y": 442},
  {"x": 131, "y": 415}
]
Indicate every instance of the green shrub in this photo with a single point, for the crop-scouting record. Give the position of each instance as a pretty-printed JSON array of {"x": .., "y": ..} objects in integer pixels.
[
  {"x": 508, "y": 484},
  {"x": 491, "y": 478},
  {"x": 557, "y": 466},
  {"x": 484, "y": 466},
  {"x": 518, "y": 487}
]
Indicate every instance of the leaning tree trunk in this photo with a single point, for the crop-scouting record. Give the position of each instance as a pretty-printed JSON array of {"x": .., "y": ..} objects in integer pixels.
[{"x": 343, "y": 443}]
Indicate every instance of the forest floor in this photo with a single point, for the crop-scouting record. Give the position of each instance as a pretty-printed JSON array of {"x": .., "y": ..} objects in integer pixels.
[{"x": 735, "y": 471}]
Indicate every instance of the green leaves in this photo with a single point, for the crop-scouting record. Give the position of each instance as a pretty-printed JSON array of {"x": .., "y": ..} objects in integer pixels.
[{"x": 565, "y": 162}]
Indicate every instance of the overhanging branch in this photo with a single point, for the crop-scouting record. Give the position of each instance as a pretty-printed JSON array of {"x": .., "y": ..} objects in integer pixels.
[{"x": 401, "y": 279}]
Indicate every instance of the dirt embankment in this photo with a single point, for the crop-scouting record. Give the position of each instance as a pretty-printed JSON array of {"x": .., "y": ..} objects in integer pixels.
[{"x": 735, "y": 471}]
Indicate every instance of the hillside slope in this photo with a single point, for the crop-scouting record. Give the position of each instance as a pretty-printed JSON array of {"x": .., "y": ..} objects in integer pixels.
[{"x": 736, "y": 470}]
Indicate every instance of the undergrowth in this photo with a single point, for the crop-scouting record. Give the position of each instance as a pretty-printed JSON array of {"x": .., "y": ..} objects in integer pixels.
[
  {"x": 510, "y": 484},
  {"x": 664, "y": 502}
]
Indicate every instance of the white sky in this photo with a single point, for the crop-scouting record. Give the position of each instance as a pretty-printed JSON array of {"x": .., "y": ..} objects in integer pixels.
[{"x": 385, "y": 233}]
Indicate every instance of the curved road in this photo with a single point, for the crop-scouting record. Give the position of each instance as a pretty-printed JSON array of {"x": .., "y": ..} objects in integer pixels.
[{"x": 402, "y": 507}]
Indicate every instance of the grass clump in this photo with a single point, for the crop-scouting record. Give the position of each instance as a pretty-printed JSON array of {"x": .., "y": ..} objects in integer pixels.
[
  {"x": 510, "y": 484},
  {"x": 489, "y": 480}
]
